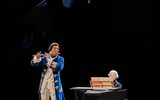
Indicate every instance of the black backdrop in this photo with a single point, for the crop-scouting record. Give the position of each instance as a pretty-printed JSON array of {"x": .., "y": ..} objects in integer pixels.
[{"x": 87, "y": 42}]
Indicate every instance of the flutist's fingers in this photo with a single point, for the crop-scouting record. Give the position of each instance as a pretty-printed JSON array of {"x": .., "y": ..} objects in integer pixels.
[
  {"x": 39, "y": 52},
  {"x": 47, "y": 55},
  {"x": 38, "y": 55}
]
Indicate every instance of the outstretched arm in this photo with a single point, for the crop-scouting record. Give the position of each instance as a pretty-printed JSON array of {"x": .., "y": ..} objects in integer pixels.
[{"x": 38, "y": 60}]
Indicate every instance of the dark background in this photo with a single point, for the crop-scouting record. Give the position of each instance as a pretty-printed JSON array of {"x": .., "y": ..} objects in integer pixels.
[{"x": 93, "y": 40}]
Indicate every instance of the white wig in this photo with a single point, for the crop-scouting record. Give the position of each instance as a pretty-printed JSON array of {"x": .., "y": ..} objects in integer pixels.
[{"x": 115, "y": 73}]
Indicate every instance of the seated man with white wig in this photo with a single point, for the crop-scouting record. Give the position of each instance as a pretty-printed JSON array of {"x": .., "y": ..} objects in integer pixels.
[{"x": 113, "y": 75}]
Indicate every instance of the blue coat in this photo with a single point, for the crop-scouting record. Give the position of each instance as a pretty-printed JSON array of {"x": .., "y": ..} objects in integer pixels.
[
  {"x": 56, "y": 74},
  {"x": 117, "y": 84}
]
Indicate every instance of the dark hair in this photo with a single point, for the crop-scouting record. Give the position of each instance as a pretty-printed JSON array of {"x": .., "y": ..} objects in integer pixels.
[{"x": 51, "y": 45}]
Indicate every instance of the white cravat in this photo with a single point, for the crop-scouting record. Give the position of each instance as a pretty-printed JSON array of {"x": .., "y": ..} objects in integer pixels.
[{"x": 49, "y": 61}]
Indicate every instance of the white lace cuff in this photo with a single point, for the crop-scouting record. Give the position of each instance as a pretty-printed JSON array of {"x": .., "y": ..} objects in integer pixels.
[{"x": 36, "y": 60}]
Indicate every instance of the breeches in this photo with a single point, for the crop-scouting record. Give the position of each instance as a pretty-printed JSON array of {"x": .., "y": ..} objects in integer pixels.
[{"x": 47, "y": 95}]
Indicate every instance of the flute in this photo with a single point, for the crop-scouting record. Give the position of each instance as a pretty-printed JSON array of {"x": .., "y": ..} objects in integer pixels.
[{"x": 41, "y": 54}]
